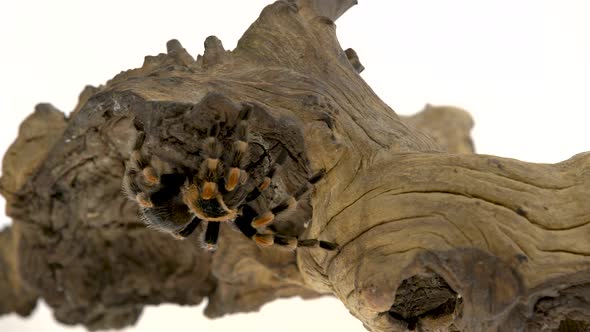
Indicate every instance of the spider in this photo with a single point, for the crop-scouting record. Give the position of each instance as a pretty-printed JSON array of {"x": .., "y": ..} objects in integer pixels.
[{"x": 218, "y": 189}]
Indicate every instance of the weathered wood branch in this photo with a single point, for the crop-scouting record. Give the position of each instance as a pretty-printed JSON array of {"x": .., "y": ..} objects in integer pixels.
[
  {"x": 431, "y": 236},
  {"x": 503, "y": 234}
]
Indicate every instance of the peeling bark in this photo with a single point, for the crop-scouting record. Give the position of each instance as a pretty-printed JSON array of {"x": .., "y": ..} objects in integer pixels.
[{"x": 432, "y": 237}]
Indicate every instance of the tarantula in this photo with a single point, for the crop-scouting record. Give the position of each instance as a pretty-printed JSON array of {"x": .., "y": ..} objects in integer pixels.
[{"x": 176, "y": 199}]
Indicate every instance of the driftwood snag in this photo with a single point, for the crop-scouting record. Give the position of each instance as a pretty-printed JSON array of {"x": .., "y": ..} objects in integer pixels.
[{"x": 432, "y": 237}]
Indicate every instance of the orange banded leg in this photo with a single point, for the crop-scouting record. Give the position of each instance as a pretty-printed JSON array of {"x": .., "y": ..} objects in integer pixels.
[
  {"x": 140, "y": 164},
  {"x": 136, "y": 179},
  {"x": 150, "y": 175},
  {"x": 212, "y": 148},
  {"x": 209, "y": 190},
  {"x": 268, "y": 217},
  {"x": 264, "y": 240},
  {"x": 289, "y": 204},
  {"x": 265, "y": 183},
  {"x": 235, "y": 174},
  {"x": 243, "y": 222},
  {"x": 233, "y": 178},
  {"x": 143, "y": 200},
  {"x": 209, "y": 173},
  {"x": 211, "y": 167}
]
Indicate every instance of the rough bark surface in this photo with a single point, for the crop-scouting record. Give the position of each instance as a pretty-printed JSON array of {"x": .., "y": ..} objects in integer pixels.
[{"x": 431, "y": 236}]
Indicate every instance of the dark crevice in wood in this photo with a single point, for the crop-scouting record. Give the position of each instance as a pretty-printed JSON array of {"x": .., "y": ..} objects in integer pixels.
[{"x": 423, "y": 297}]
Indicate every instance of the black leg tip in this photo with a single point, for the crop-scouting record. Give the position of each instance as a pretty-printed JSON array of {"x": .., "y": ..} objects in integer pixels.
[
  {"x": 328, "y": 245},
  {"x": 317, "y": 176},
  {"x": 211, "y": 247},
  {"x": 190, "y": 228},
  {"x": 245, "y": 112},
  {"x": 314, "y": 243}
]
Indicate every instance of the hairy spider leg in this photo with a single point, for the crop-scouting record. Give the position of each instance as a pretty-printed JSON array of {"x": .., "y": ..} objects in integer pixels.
[
  {"x": 190, "y": 228},
  {"x": 138, "y": 168},
  {"x": 166, "y": 206},
  {"x": 288, "y": 204},
  {"x": 235, "y": 173},
  {"x": 269, "y": 238},
  {"x": 211, "y": 235},
  {"x": 140, "y": 162},
  {"x": 314, "y": 243},
  {"x": 243, "y": 224},
  {"x": 211, "y": 166},
  {"x": 265, "y": 183},
  {"x": 156, "y": 194},
  {"x": 246, "y": 220}
]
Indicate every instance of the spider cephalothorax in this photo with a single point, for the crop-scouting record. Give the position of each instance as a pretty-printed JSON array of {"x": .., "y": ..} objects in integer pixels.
[{"x": 219, "y": 188}]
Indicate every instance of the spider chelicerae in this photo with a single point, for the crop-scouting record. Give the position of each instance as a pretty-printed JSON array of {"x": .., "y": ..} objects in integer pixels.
[{"x": 220, "y": 188}]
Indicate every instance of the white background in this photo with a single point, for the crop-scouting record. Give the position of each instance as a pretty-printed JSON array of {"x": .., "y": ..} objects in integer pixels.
[{"x": 521, "y": 67}]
